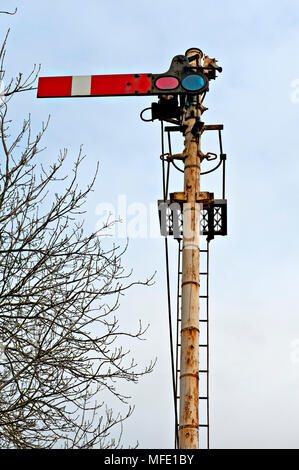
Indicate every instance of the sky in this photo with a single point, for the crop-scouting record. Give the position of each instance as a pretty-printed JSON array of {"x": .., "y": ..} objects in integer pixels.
[{"x": 254, "y": 315}]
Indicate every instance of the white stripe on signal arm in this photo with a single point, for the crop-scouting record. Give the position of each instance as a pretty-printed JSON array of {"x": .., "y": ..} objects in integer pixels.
[{"x": 81, "y": 85}]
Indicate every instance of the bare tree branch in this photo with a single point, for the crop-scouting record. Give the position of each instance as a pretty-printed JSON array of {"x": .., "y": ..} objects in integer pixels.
[
  {"x": 9, "y": 13},
  {"x": 62, "y": 354}
]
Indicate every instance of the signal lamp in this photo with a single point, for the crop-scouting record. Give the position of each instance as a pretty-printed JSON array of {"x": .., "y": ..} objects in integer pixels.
[
  {"x": 193, "y": 82},
  {"x": 167, "y": 83}
]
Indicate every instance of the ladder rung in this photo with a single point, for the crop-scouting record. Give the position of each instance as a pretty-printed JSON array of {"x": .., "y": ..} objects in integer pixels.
[
  {"x": 203, "y": 398},
  {"x": 203, "y": 296},
  {"x": 203, "y": 371},
  {"x": 201, "y": 321},
  {"x": 203, "y": 274},
  {"x": 200, "y": 425},
  {"x": 203, "y": 345},
  {"x": 201, "y": 250}
]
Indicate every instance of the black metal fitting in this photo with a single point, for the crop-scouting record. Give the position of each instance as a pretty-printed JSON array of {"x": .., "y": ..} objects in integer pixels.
[
  {"x": 166, "y": 109},
  {"x": 197, "y": 128},
  {"x": 213, "y": 220}
]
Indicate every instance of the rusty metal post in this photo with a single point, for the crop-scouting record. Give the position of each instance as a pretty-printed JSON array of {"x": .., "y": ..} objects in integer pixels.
[{"x": 189, "y": 364}]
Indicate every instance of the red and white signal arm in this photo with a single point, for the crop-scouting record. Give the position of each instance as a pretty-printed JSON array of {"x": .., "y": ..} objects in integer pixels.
[{"x": 180, "y": 78}]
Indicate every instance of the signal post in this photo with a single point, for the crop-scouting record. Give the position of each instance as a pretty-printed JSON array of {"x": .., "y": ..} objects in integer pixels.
[{"x": 189, "y": 363}]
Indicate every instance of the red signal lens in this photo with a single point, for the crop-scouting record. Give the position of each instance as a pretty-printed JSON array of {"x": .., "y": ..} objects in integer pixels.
[{"x": 167, "y": 83}]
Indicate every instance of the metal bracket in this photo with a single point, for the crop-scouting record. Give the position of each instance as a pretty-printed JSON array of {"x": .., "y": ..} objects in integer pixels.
[
  {"x": 213, "y": 127},
  {"x": 176, "y": 156},
  {"x": 205, "y": 198},
  {"x": 178, "y": 197},
  {"x": 213, "y": 219}
]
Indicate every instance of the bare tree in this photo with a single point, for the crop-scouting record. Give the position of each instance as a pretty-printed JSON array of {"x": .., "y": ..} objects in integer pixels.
[{"x": 61, "y": 344}]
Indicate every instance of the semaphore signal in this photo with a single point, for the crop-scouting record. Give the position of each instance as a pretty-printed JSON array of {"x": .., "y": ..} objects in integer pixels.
[{"x": 184, "y": 215}]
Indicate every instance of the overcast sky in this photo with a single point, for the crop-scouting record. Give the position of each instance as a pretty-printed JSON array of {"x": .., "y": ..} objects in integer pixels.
[{"x": 254, "y": 271}]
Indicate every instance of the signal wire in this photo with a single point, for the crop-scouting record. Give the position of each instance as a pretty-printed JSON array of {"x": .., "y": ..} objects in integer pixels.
[{"x": 165, "y": 193}]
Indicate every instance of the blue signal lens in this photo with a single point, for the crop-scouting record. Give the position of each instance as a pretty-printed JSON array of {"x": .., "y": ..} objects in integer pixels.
[{"x": 193, "y": 82}]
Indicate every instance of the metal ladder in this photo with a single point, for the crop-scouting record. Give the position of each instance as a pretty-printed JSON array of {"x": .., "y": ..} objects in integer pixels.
[{"x": 204, "y": 425}]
